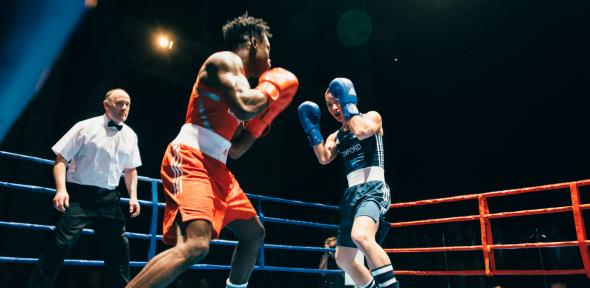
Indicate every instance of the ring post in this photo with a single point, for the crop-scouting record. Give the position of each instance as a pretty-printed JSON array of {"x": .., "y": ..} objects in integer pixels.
[
  {"x": 483, "y": 225},
  {"x": 261, "y": 218},
  {"x": 580, "y": 230},
  {"x": 154, "y": 220}
]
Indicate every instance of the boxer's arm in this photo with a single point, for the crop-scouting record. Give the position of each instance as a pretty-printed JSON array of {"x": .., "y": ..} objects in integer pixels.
[
  {"x": 224, "y": 70},
  {"x": 240, "y": 143},
  {"x": 326, "y": 151},
  {"x": 366, "y": 126}
]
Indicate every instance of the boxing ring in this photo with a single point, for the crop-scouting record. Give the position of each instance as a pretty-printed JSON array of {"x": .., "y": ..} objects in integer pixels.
[{"x": 484, "y": 216}]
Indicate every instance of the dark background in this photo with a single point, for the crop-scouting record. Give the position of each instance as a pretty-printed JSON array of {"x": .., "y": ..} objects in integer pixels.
[{"x": 476, "y": 96}]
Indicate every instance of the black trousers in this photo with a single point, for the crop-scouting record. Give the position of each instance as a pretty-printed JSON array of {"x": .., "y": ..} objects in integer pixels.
[{"x": 88, "y": 205}]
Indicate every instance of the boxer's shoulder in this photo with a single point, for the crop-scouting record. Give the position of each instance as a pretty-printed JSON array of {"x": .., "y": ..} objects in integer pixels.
[{"x": 224, "y": 60}]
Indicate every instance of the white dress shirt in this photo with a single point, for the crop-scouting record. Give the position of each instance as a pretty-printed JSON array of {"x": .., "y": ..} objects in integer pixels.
[{"x": 98, "y": 153}]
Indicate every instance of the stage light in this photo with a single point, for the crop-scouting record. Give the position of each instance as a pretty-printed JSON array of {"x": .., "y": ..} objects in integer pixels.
[{"x": 165, "y": 42}]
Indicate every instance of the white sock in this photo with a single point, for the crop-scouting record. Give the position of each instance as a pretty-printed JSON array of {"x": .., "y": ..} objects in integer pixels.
[
  {"x": 228, "y": 284},
  {"x": 369, "y": 285}
]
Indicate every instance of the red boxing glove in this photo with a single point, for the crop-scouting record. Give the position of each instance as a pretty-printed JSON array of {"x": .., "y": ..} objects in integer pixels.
[
  {"x": 280, "y": 86},
  {"x": 277, "y": 83}
]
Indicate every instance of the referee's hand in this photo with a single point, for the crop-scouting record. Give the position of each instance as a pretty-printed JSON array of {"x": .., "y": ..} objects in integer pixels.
[
  {"x": 134, "y": 208},
  {"x": 61, "y": 200}
]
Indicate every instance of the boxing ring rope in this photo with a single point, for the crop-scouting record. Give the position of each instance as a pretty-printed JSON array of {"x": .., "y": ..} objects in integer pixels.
[
  {"x": 152, "y": 237},
  {"x": 483, "y": 216},
  {"x": 487, "y": 244}
]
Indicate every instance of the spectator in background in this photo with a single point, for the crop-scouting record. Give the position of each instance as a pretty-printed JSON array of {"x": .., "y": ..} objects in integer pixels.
[{"x": 328, "y": 261}]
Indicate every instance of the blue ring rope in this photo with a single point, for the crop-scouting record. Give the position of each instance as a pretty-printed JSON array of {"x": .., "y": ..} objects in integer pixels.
[
  {"x": 40, "y": 227},
  {"x": 81, "y": 262},
  {"x": 153, "y": 236},
  {"x": 148, "y": 179}
]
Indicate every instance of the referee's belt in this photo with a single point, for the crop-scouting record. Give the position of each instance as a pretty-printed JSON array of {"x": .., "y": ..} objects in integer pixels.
[
  {"x": 87, "y": 188},
  {"x": 364, "y": 175}
]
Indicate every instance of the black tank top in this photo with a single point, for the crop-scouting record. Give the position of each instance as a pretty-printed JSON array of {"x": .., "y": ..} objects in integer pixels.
[{"x": 358, "y": 154}]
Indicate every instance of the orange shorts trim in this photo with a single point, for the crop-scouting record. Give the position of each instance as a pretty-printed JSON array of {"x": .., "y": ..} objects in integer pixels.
[{"x": 200, "y": 188}]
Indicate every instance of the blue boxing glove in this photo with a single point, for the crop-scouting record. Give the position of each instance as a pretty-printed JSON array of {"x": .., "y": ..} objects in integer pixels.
[
  {"x": 309, "y": 116},
  {"x": 343, "y": 90}
]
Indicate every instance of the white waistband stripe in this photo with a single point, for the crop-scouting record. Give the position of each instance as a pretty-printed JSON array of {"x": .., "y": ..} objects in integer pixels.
[
  {"x": 364, "y": 175},
  {"x": 204, "y": 140}
]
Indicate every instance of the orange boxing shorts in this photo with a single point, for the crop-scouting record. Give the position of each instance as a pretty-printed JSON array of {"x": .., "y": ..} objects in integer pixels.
[{"x": 200, "y": 188}]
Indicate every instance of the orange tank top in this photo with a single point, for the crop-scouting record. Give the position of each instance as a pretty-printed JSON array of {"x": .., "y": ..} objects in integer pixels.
[{"x": 207, "y": 108}]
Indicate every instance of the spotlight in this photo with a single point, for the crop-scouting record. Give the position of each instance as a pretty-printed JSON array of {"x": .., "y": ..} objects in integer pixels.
[{"x": 165, "y": 42}]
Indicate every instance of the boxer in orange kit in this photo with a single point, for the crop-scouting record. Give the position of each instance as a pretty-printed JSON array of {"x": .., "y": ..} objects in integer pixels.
[{"x": 225, "y": 116}]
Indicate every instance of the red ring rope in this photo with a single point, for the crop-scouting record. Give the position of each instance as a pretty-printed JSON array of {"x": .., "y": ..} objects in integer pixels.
[{"x": 487, "y": 244}]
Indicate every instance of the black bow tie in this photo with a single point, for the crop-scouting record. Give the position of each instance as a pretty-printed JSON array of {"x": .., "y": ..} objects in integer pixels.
[{"x": 113, "y": 124}]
